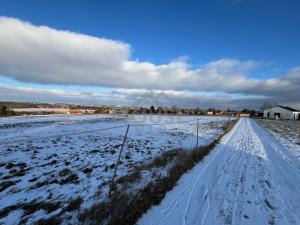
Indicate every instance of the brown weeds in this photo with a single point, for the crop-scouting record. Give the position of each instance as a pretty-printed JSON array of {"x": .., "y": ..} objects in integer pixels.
[{"x": 125, "y": 209}]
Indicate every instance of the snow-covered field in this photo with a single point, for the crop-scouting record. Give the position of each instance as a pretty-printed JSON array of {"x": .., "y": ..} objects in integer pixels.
[
  {"x": 249, "y": 178},
  {"x": 286, "y": 131},
  {"x": 49, "y": 162}
]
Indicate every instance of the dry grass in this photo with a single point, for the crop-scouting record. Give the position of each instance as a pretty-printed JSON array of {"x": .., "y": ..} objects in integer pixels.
[
  {"x": 74, "y": 204},
  {"x": 6, "y": 184},
  {"x": 285, "y": 129},
  {"x": 50, "y": 221},
  {"x": 125, "y": 209},
  {"x": 32, "y": 207},
  {"x": 122, "y": 208}
]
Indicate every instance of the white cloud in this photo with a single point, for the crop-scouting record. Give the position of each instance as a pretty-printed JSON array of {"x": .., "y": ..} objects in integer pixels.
[
  {"x": 44, "y": 55},
  {"x": 132, "y": 97},
  {"x": 293, "y": 76}
]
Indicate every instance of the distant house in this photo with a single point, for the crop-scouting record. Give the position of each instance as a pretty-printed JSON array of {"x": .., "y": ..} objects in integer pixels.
[
  {"x": 244, "y": 115},
  {"x": 42, "y": 110},
  {"x": 210, "y": 113},
  {"x": 282, "y": 112},
  {"x": 119, "y": 111},
  {"x": 75, "y": 111},
  {"x": 81, "y": 111}
]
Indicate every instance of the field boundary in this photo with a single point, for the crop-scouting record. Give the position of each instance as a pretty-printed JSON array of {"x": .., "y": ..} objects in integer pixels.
[
  {"x": 126, "y": 209},
  {"x": 120, "y": 184},
  {"x": 6, "y": 142}
]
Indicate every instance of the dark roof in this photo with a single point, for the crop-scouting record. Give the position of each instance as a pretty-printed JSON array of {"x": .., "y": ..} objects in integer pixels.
[{"x": 287, "y": 108}]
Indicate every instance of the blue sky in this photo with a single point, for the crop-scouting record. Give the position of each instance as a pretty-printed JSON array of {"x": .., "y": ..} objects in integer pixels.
[{"x": 200, "y": 32}]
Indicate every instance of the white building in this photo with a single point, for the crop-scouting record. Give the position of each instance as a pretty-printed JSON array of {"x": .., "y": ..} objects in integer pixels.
[
  {"x": 282, "y": 112},
  {"x": 244, "y": 115},
  {"x": 41, "y": 110},
  {"x": 119, "y": 111},
  {"x": 52, "y": 110}
]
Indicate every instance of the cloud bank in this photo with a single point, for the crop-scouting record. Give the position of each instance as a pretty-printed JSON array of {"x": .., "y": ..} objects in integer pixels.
[
  {"x": 130, "y": 97},
  {"x": 39, "y": 54}
]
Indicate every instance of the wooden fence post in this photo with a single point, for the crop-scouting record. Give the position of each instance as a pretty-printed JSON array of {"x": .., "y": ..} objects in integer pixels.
[
  {"x": 112, "y": 185},
  {"x": 197, "y": 133},
  {"x": 217, "y": 126}
]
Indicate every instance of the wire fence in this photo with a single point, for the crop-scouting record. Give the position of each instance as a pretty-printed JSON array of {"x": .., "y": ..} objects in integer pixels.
[
  {"x": 185, "y": 134},
  {"x": 31, "y": 139}
]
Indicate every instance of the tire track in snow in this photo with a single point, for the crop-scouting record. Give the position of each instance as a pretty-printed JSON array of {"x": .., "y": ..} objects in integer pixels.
[
  {"x": 288, "y": 215},
  {"x": 207, "y": 161},
  {"x": 226, "y": 141},
  {"x": 242, "y": 181},
  {"x": 237, "y": 166}
]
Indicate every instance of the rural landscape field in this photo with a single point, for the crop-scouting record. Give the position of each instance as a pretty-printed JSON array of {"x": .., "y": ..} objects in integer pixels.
[
  {"x": 50, "y": 161},
  {"x": 139, "y": 112},
  {"x": 57, "y": 168}
]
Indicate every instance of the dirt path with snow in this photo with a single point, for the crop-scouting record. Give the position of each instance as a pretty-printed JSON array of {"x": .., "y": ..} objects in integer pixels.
[{"x": 248, "y": 179}]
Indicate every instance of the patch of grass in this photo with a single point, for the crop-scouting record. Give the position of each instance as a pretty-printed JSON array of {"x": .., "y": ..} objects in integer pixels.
[
  {"x": 9, "y": 165},
  {"x": 72, "y": 178},
  {"x": 53, "y": 162},
  {"x": 21, "y": 165},
  {"x": 6, "y": 184},
  {"x": 160, "y": 161},
  {"x": 98, "y": 210},
  {"x": 94, "y": 151},
  {"x": 112, "y": 166},
  {"x": 126, "y": 210},
  {"x": 49, "y": 221},
  {"x": 5, "y": 211},
  {"x": 20, "y": 173},
  {"x": 12, "y": 171},
  {"x": 30, "y": 208},
  {"x": 87, "y": 170},
  {"x": 15, "y": 173},
  {"x": 44, "y": 183},
  {"x": 33, "y": 179},
  {"x": 74, "y": 204},
  {"x": 65, "y": 172}
]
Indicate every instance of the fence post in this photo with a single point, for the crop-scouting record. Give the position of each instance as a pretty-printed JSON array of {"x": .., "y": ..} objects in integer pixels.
[
  {"x": 112, "y": 185},
  {"x": 217, "y": 126},
  {"x": 197, "y": 133}
]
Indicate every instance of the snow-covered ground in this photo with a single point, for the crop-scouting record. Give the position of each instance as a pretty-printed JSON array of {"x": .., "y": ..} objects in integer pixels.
[
  {"x": 286, "y": 131},
  {"x": 47, "y": 161},
  {"x": 249, "y": 178}
]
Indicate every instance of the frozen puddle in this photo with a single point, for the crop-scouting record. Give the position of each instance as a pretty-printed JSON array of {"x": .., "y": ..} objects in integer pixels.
[{"x": 248, "y": 179}]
